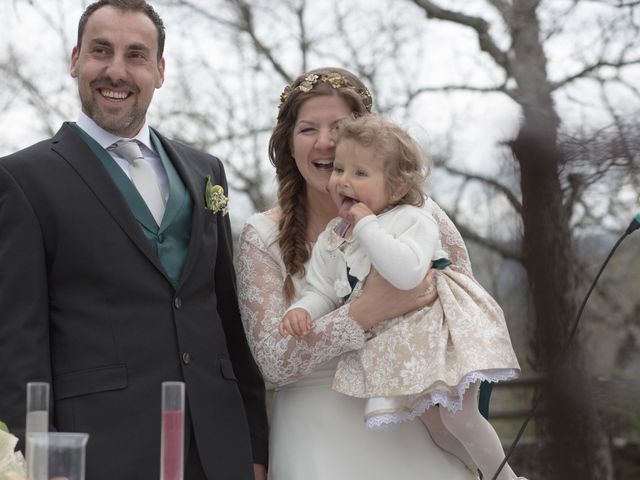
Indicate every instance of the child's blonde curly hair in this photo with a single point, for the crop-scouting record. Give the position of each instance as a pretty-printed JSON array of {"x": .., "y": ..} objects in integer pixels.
[{"x": 406, "y": 165}]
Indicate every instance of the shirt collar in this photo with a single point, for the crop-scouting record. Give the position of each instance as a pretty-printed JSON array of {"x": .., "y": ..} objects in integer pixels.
[{"x": 106, "y": 139}]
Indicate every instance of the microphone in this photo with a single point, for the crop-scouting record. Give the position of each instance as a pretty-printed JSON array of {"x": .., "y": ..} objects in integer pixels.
[{"x": 634, "y": 225}]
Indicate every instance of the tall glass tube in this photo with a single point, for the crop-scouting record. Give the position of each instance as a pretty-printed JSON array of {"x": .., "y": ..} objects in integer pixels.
[
  {"x": 172, "y": 436},
  {"x": 37, "y": 420}
]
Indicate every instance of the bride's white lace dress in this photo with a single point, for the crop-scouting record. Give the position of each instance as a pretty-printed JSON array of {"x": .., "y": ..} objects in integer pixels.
[{"x": 317, "y": 433}]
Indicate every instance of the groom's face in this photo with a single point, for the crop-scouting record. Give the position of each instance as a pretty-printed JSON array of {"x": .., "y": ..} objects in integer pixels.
[{"x": 117, "y": 69}]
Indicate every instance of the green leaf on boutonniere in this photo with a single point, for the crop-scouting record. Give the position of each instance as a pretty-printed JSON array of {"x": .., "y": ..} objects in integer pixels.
[
  {"x": 214, "y": 198},
  {"x": 3, "y": 427}
]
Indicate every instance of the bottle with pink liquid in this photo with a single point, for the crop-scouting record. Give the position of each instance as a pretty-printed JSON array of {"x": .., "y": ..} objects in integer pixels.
[{"x": 172, "y": 435}]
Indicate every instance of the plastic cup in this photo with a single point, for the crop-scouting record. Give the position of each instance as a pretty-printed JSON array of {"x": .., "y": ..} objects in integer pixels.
[{"x": 56, "y": 455}]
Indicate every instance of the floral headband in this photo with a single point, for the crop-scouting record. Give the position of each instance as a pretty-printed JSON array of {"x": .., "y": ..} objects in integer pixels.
[{"x": 336, "y": 80}]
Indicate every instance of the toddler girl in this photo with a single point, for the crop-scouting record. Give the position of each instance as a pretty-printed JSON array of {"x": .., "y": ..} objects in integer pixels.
[{"x": 426, "y": 364}]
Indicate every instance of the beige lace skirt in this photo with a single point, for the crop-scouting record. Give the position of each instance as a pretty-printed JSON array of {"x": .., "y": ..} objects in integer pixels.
[{"x": 430, "y": 356}]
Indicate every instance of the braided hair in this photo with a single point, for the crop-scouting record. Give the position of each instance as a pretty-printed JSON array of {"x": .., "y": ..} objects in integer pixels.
[{"x": 292, "y": 188}]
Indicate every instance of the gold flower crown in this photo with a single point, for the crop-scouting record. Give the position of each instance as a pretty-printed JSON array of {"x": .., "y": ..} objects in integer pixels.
[{"x": 336, "y": 80}]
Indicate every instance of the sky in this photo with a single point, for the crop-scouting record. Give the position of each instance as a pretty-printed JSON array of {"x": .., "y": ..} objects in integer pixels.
[{"x": 207, "y": 59}]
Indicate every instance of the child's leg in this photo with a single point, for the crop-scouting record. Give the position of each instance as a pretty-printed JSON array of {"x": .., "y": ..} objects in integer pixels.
[
  {"x": 477, "y": 435},
  {"x": 445, "y": 439}
]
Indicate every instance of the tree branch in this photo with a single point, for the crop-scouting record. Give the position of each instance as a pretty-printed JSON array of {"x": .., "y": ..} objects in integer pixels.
[
  {"x": 35, "y": 96},
  {"x": 304, "y": 42},
  {"x": 502, "y": 6},
  {"x": 413, "y": 93},
  {"x": 623, "y": 3},
  {"x": 245, "y": 24},
  {"x": 506, "y": 191},
  {"x": 591, "y": 68},
  {"x": 246, "y": 16},
  {"x": 469, "y": 235},
  {"x": 204, "y": 12},
  {"x": 480, "y": 25}
]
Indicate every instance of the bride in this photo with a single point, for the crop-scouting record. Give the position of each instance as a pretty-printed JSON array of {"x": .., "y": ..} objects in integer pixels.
[{"x": 317, "y": 433}]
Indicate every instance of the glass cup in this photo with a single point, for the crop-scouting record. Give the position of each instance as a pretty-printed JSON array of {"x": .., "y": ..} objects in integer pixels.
[{"x": 56, "y": 456}]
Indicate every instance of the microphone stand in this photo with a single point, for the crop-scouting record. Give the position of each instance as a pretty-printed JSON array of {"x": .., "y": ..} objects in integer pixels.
[{"x": 633, "y": 226}]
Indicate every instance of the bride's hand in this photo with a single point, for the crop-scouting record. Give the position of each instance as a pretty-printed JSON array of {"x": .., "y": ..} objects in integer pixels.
[{"x": 380, "y": 300}]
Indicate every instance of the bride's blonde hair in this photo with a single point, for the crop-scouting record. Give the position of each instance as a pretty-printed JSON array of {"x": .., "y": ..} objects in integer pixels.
[{"x": 406, "y": 165}]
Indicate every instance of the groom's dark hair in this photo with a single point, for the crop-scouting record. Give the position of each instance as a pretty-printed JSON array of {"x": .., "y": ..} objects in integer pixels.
[{"x": 125, "y": 5}]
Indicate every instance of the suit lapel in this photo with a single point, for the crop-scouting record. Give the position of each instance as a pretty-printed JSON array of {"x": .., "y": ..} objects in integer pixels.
[
  {"x": 195, "y": 185},
  {"x": 70, "y": 146}
]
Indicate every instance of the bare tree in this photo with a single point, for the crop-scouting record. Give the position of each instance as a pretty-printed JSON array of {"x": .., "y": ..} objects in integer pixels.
[{"x": 573, "y": 442}]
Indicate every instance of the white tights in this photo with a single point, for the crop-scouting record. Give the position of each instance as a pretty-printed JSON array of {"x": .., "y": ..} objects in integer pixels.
[{"x": 469, "y": 436}]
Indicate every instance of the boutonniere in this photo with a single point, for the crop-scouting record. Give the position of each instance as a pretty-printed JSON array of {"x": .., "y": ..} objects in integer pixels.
[{"x": 214, "y": 198}]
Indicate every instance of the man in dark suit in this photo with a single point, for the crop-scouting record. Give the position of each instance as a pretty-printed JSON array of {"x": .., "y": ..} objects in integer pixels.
[{"x": 109, "y": 286}]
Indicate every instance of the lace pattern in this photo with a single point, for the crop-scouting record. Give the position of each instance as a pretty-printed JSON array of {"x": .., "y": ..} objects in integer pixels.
[
  {"x": 450, "y": 238},
  {"x": 416, "y": 405},
  {"x": 262, "y": 305},
  {"x": 261, "y": 273}
]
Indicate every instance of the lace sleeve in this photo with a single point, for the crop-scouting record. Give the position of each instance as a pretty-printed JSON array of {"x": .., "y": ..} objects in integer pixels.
[
  {"x": 262, "y": 304},
  {"x": 450, "y": 237}
]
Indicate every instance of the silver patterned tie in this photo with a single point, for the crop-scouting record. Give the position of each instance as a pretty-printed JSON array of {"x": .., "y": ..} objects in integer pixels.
[{"x": 142, "y": 176}]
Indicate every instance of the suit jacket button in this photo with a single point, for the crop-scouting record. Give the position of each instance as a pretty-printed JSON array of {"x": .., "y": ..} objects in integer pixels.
[
  {"x": 186, "y": 358},
  {"x": 177, "y": 302}
]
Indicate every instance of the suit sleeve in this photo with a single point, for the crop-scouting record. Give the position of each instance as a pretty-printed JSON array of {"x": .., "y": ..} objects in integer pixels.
[
  {"x": 249, "y": 377},
  {"x": 24, "y": 317}
]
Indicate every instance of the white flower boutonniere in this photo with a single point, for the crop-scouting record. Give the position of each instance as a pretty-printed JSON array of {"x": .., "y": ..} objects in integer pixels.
[{"x": 214, "y": 198}]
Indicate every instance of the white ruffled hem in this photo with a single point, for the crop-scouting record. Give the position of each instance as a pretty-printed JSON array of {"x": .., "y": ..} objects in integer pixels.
[{"x": 386, "y": 420}]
